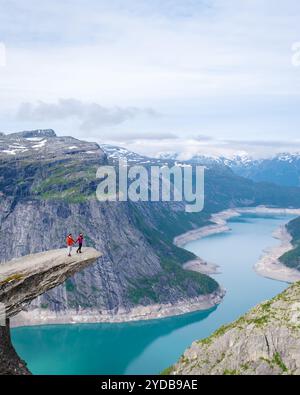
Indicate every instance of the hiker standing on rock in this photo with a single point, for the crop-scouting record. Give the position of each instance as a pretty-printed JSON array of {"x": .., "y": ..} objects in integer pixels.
[
  {"x": 79, "y": 241},
  {"x": 70, "y": 242}
]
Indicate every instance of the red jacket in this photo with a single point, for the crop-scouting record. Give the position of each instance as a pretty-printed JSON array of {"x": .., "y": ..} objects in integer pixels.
[{"x": 69, "y": 241}]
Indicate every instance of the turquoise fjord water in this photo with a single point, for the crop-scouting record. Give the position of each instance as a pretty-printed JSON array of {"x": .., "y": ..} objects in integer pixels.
[{"x": 147, "y": 347}]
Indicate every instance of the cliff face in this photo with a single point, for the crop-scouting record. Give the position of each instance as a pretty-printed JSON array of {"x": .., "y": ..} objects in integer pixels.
[
  {"x": 10, "y": 362},
  {"x": 48, "y": 188},
  {"x": 265, "y": 341}
]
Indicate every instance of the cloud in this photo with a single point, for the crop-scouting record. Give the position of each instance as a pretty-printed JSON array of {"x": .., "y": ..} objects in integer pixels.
[
  {"x": 199, "y": 62},
  {"x": 203, "y": 137},
  {"x": 91, "y": 116},
  {"x": 185, "y": 149},
  {"x": 133, "y": 137},
  {"x": 275, "y": 144}
]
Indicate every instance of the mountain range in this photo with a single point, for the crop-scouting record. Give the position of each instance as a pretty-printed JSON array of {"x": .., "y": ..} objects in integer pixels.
[{"x": 282, "y": 169}]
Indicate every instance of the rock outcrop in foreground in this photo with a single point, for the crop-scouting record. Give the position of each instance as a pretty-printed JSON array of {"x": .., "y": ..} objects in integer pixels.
[
  {"x": 265, "y": 341},
  {"x": 25, "y": 278},
  {"x": 22, "y": 280}
]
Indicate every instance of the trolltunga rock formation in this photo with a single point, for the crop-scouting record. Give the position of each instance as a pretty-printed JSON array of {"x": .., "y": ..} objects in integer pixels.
[{"x": 25, "y": 278}]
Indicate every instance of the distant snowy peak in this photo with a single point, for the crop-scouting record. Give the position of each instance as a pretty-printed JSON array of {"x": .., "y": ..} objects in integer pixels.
[
  {"x": 288, "y": 157},
  {"x": 248, "y": 160},
  {"x": 166, "y": 155},
  {"x": 116, "y": 153},
  {"x": 199, "y": 159},
  {"x": 238, "y": 160},
  {"x": 282, "y": 169},
  {"x": 241, "y": 159}
]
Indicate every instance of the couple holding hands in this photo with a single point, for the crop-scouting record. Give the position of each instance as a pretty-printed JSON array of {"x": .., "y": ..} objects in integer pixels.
[{"x": 70, "y": 242}]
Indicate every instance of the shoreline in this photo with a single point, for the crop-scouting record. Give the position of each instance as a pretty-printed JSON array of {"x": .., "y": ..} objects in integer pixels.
[
  {"x": 140, "y": 313},
  {"x": 201, "y": 266},
  {"x": 220, "y": 222},
  {"x": 219, "y": 225},
  {"x": 268, "y": 267},
  {"x": 269, "y": 264}
]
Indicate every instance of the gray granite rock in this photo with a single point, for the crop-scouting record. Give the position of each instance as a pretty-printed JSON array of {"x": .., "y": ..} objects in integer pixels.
[
  {"x": 265, "y": 341},
  {"x": 24, "y": 279}
]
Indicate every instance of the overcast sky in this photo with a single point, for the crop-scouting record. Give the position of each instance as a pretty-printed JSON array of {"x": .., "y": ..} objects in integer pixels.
[{"x": 207, "y": 76}]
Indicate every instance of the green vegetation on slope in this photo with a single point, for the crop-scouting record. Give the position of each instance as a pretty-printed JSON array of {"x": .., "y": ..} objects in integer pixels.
[
  {"x": 292, "y": 258},
  {"x": 69, "y": 180},
  {"x": 73, "y": 182},
  {"x": 146, "y": 288}
]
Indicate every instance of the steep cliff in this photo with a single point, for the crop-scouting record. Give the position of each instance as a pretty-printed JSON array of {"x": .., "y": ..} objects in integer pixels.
[
  {"x": 265, "y": 341},
  {"x": 10, "y": 362},
  {"x": 25, "y": 278}
]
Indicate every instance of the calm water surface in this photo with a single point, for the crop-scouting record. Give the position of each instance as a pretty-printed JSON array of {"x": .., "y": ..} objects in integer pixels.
[{"x": 149, "y": 347}]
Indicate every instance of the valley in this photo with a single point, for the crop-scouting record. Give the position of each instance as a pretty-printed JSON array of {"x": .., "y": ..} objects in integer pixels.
[
  {"x": 149, "y": 346},
  {"x": 149, "y": 268}
]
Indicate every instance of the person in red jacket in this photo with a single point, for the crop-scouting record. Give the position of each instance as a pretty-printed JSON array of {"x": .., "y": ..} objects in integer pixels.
[
  {"x": 79, "y": 241},
  {"x": 70, "y": 242}
]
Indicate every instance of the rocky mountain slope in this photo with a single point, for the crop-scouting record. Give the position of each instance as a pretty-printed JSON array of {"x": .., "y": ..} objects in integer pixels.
[
  {"x": 10, "y": 362},
  {"x": 47, "y": 189},
  {"x": 282, "y": 169},
  {"x": 265, "y": 341}
]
